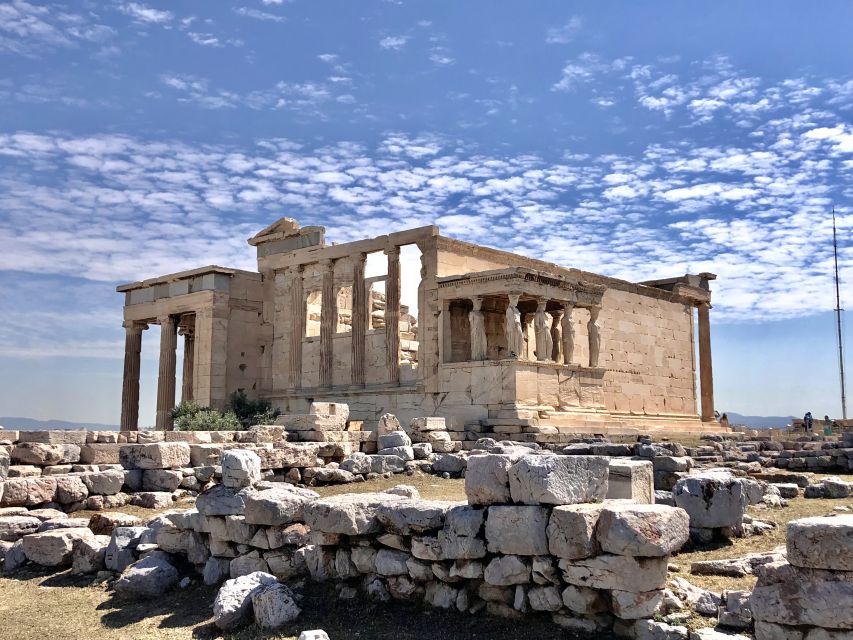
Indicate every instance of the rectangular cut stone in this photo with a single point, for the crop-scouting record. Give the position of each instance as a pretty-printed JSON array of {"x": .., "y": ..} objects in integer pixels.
[
  {"x": 791, "y": 595},
  {"x": 631, "y": 480},
  {"x": 571, "y": 531},
  {"x": 822, "y": 542},
  {"x": 99, "y": 453},
  {"x": 487, "y": 479},
  {"x": 645, "y": 530},
  {"x": 432, "y": 423},
  {"x": 57, "y": 436},
  {"x": 713, "y": 499},
  {"x": 517, "y": 530},
  {"x": 348, "y": 514},
  {"x": 160, "y": 455},
  {"x": 546, "y": 479},
  {"x": 612, "y": 572},
  {"x": 287, "y": 455}
]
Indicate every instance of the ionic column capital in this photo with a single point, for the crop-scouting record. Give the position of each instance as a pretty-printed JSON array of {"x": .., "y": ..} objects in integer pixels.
[
  {"x": 166, "y": 320},
  {"x": 392, "y": 251},
  {"x": 134, "y": 326}
]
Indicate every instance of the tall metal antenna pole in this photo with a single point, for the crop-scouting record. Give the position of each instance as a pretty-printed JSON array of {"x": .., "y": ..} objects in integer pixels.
[{"x": 838, "y": 320}]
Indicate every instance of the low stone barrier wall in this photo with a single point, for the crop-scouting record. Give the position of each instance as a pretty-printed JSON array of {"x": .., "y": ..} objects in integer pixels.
[{"x": 809, "y": 596}]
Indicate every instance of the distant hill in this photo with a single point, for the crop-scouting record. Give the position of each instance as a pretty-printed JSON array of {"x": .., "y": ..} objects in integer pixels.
[
  {"x": 29, "y": 424},
  {"x": 755, "y": 422}
]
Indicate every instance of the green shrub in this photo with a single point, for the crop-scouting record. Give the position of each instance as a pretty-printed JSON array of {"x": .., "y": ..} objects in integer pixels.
[
  {"x": 251, "y": 412},
  {"x": 189, "y": 416}
]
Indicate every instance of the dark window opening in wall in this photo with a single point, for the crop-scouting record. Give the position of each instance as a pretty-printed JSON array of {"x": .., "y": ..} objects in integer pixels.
[{"x": 460, "y": 330}]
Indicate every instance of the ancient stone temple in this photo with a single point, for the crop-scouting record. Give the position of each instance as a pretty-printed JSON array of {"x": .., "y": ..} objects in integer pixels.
[{"x": 495, "y": 342}]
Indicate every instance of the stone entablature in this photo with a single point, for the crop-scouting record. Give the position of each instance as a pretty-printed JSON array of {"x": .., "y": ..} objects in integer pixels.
[{"x": 323, "y": 328}]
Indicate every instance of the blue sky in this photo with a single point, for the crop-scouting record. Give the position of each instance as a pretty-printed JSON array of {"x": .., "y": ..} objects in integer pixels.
[{"x": 634, "y": 139}]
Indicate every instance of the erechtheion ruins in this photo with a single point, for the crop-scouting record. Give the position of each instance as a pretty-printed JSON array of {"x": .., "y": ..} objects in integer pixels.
[{"x": 499, "y": 343}]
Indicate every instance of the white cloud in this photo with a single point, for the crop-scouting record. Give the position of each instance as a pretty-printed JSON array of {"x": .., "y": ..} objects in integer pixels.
[
  {"x": 394, "y": 43},
  {"x": 29, "y": 29},
  {"x": 145, "y": 14},
  {"x": 565, "y": 33},
  {"x": 257, "y": 14}
]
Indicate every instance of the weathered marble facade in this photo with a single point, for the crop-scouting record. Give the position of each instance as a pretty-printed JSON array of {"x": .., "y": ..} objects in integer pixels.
[{"x": 500, "y": 343}]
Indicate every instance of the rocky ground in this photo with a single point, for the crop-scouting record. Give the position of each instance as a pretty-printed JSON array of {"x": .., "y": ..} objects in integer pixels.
[{"x": 71, "y": 607}]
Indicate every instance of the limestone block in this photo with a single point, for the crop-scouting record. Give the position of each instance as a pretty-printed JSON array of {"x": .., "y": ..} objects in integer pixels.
[
  {"x": 161, "y": 479},
  {"x": 70, "y": 489},
  {"x": 404, "y": 453},
  {"x": 773, "y": 631},
  {"x": 386, "y": 464},
  {"x": 233, "y": 603},
  {"x": 4, "y": 464},
  {"x": 220, "y": 500},
  {"x": 584, "y": 600},
  {"x": 558, "y": 480},
  {"x": 161, "y": 455},
  {"x": 571, "y": 531},
  {"x": 487, "y": 479},
  {"x": 652, "y": 630},
  {"x": 449, "y": 463},
  {"x": 45, "y": 454},
  {"x": 290, "y": 454},
  {"x": 517, "y": 530},
  {"x": 628, "y": 605},
  {"x": 28, "y": 491},
  {"x": 544, "y": 598},
  {"x": 277, "y": 505},
  {"x": 623, "y": 573},
  {"x": 431, "y": 423},
  {"x": 274, "y": 605},
  {"x": 63, "y": 522},
  {"x": 149, "y": 577},
  {"x": 648, "y": 530},
  {"x": 440, "y": 595},
  {"x": 388, "y": 423},
  {"x": 53, "y": 548},
  {"x": 247, "y": 563},
  {"x": 822, "y": 542},
  {"x": 337, "y": 409},
  {"x": 152, "y": 499},
  {"x": 202, "y": 455},
  {"x": 100, "y": 453},
  {"x": 105, "y": 523},
  {"x": 240, "y": 468},
  {"x": 413, "y": 516},
  {"x": 103, "y": 483},
  {"x": 712, "y": 499},
  {"x": 631, "y": 480},
  {"x": 348, "y": 514},
  {"x": 391, "y": 562},
  {"x": 503, "y": 571},
  {"x": 14, "y": 528},
  {"x": 87, "y": 554},
  {"x": 791, "y": 595},
  {"x": 393, "y": 439},
  {"x": 57, "y": 436}
]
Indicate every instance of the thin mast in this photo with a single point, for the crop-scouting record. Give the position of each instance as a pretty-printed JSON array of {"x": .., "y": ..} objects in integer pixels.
[{"x": 838, "y": 320}]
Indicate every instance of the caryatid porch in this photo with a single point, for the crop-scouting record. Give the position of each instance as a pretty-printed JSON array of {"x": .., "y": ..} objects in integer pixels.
[{"x": 510, "y": 334}]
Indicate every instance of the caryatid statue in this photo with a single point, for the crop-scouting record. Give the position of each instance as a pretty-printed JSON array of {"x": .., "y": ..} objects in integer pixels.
[
  {"x": 514, "y": 333},
  {"x": 594, "y": 331},
  {"x": 568, "y": 333},
  {"x": 557, "y": 335},
  {"x": 479, "y": 346},
  {"x": 544, "y": 344}
]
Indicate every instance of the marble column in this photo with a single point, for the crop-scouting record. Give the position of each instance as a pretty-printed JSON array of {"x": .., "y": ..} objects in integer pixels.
[
  {"x": 512, "y": 328},
  {"x": 392, "y": 315},
  {"x": 479, "y": 345},
  {"x": 557, "y": 335},
  {"x": 594, "y": 331},
  {"x": 297, "y": 327},
  {"x": 130, "y": 381},
  {"x": 328, "y": 322},
  {"x": 544, "y": 346},
  {"x": 359, "y": 319},
  {"x": 568, "y": 333},
  {"x": 706, "y": 373},
  {"x": 166, "y": 377},
  {"x": 187, "y": 329}
]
